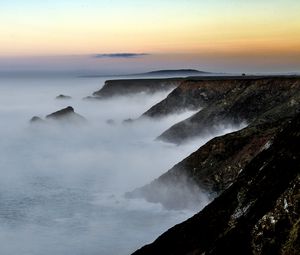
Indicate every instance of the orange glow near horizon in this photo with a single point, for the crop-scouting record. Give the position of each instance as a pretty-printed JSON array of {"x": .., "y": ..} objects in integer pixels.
[{"x": 263, "y": 27}]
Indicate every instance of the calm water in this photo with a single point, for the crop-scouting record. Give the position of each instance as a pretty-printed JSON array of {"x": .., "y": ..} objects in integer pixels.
[{"x": 61, "y": 188}]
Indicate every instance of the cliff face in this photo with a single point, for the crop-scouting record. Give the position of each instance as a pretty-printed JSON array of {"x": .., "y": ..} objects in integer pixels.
[
  {"x": 192, "y": 95},
  {"x": 113, "y": 88},
  {"x": 250, "y": 101},
  {"x": 210, "y": 169},
  {"x": 259, "y": 211}
]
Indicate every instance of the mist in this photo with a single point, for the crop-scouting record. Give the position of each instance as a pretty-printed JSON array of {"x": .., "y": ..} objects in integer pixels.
[{"x": 62, "y": 186}]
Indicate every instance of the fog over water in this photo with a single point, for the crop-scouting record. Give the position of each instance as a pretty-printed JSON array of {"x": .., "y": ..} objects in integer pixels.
[{"x": 62, "y": 187}]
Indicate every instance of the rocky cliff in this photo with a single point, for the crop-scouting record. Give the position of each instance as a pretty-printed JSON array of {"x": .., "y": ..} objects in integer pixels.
[
  {"x": 252, "y": 176},
  {"x": 244, "y": 100},
  {"x": 258, "y": 213},
  {"x": 134, "y": 86},
  {"x": 192, "y": 94}
]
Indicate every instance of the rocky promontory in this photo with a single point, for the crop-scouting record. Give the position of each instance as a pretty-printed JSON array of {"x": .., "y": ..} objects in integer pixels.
[
  {"x": 124, "y": 87},
  {"x": 246, "y": 101}
]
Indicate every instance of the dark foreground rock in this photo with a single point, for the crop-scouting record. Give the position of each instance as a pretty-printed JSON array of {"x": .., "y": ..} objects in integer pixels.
[
  {"x": 113, "y": 88},
  {"x": 66, "y": 115},
  {"x": 258, "y": 213},
  {"x": 249, "y": 101}
]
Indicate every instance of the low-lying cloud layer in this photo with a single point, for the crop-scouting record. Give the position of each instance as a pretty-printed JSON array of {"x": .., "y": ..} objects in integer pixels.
[{"x": 62, "y": 187}]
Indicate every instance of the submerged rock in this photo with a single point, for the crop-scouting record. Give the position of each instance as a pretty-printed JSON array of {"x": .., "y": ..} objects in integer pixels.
[
  {"x": 128, "y": 121},
  {"x": 36, "y": 119},
  {"x": 63, "y": 97},
  {"x": 110, "y": 122}
]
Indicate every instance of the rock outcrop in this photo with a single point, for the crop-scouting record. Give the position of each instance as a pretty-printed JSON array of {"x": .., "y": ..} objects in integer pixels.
[
  {"x": 113, "y": 88},
  {"x": 66, "y": 115},
  {"x": 61, "y": 96},
  {"x": 36, "y": 119},
  {"x": 259, "y": 211},
  {"x": 248, "y": 100}
]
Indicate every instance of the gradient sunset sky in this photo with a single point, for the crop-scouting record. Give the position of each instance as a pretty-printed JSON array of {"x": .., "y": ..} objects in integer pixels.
[{"x": 214, "y": 29}]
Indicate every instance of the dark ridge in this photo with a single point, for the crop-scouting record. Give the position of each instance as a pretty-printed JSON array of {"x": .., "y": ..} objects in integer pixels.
[
  {"x": 186, "y": 72},
  {"x": 171, "y": 72}
]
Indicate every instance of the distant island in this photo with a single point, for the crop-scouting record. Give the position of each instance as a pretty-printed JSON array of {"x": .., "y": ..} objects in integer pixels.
[
  {"x": 159, "y": 73},
  {"x": 179, "y": 72}
]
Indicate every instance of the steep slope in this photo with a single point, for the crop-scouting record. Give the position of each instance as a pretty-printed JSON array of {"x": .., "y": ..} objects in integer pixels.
[
  {"x": 113, "y": 88},
  {"x": 252, "y": 101},
  {"x": 210, "y": 169},
  {"x": 192, "y": 95},
  {"x": 258, "y": 214}
]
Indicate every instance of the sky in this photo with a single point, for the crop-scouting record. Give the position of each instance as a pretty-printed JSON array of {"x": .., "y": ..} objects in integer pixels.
[{"x": 220, "y": 30}]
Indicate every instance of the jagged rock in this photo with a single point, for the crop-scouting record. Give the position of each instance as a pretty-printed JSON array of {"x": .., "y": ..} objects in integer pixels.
[
  {"x": 63, "y": 97},
  {"x": 251, "y": 101},
  {"x": 258, "y": 214},
  {"x": 64, "y": 115},
  {"x": 113, "y": 88}
]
